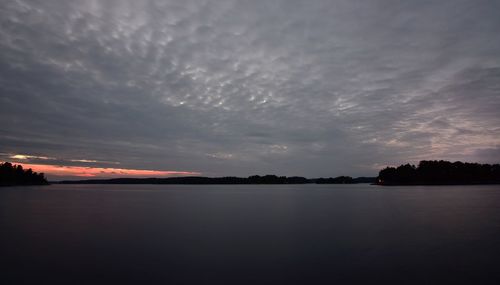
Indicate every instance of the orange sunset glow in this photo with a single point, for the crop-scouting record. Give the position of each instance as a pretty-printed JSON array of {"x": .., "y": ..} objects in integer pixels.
[{"x": 80, "y": 171}]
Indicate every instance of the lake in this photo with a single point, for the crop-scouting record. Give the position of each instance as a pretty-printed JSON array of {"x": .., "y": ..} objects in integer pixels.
[{"x": 249, "y": 234}]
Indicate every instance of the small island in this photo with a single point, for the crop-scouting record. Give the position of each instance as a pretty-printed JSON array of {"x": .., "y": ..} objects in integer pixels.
[
  {"x": 13, "y": 175},
  {"x": 440, "y": 173}
]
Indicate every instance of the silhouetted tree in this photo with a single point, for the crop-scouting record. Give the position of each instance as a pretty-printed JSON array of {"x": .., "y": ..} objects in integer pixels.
[
  {"x": 440, "y": 173},
  {"x": 15, "y": 175}
]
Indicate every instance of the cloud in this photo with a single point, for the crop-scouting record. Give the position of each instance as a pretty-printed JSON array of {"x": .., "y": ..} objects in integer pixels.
[
  {"x": 62, "y": 172},
  {"x": 25, "y": 157},
  {"x": 321, "y": 88}
]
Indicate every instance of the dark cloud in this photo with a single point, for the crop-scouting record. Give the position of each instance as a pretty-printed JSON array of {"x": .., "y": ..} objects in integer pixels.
[{"x": 316, "y": 88}]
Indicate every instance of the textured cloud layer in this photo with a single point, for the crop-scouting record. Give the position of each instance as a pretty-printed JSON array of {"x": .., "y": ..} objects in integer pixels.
[{"x": 314, "y": 88}]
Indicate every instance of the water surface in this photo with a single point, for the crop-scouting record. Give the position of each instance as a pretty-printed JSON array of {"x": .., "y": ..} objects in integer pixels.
[{"x": 250, "y": 234}]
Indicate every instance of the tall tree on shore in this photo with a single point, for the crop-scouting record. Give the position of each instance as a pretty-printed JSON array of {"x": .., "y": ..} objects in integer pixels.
[
  {"x": 11, "y": 174},
  {"x": 440, "y": 173}
]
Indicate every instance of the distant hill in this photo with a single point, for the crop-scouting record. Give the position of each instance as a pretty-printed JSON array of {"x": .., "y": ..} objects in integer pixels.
[
  {"x": 11, "y": 175},
  {"x": 255, "y": 179},
  {"x": 440, "y": 173}
]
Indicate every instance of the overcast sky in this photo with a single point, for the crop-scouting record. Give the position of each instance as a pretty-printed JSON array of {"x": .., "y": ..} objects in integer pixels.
[{"x": 309, "y": 88}]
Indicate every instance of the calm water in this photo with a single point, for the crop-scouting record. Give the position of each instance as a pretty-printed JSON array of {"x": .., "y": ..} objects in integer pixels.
[{"x": 247, "y": 234}]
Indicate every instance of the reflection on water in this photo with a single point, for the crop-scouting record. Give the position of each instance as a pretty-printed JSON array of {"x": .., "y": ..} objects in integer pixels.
[{"x": 249, "y": 234}]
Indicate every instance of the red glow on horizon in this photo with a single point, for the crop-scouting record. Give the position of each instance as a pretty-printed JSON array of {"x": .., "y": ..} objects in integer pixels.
[{"x": 83, "y": 171}]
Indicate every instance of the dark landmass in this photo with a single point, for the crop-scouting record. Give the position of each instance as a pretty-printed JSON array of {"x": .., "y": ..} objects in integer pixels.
[
  {"x": 440, "y": 173},
  {"x": 369, "y": 180},
  {"x": 12, "y": 175},
  {"x": 336, "y": 180},
  {"x": 426, "y": 173},
  {"x": 344, "y": 180},
  {"x": 255, "y": 179}
]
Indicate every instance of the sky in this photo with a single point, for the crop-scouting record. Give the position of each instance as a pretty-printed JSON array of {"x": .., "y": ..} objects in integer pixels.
[{"x": 218, "y": 88}]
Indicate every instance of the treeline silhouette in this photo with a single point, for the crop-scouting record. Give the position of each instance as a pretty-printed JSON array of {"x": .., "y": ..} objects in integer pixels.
[
  {"x": 255, "y": 179},
  {"x": 11, "y": 175},
  {"x": 343, "y": 180},
  {"x": 440, "y": 173}
]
